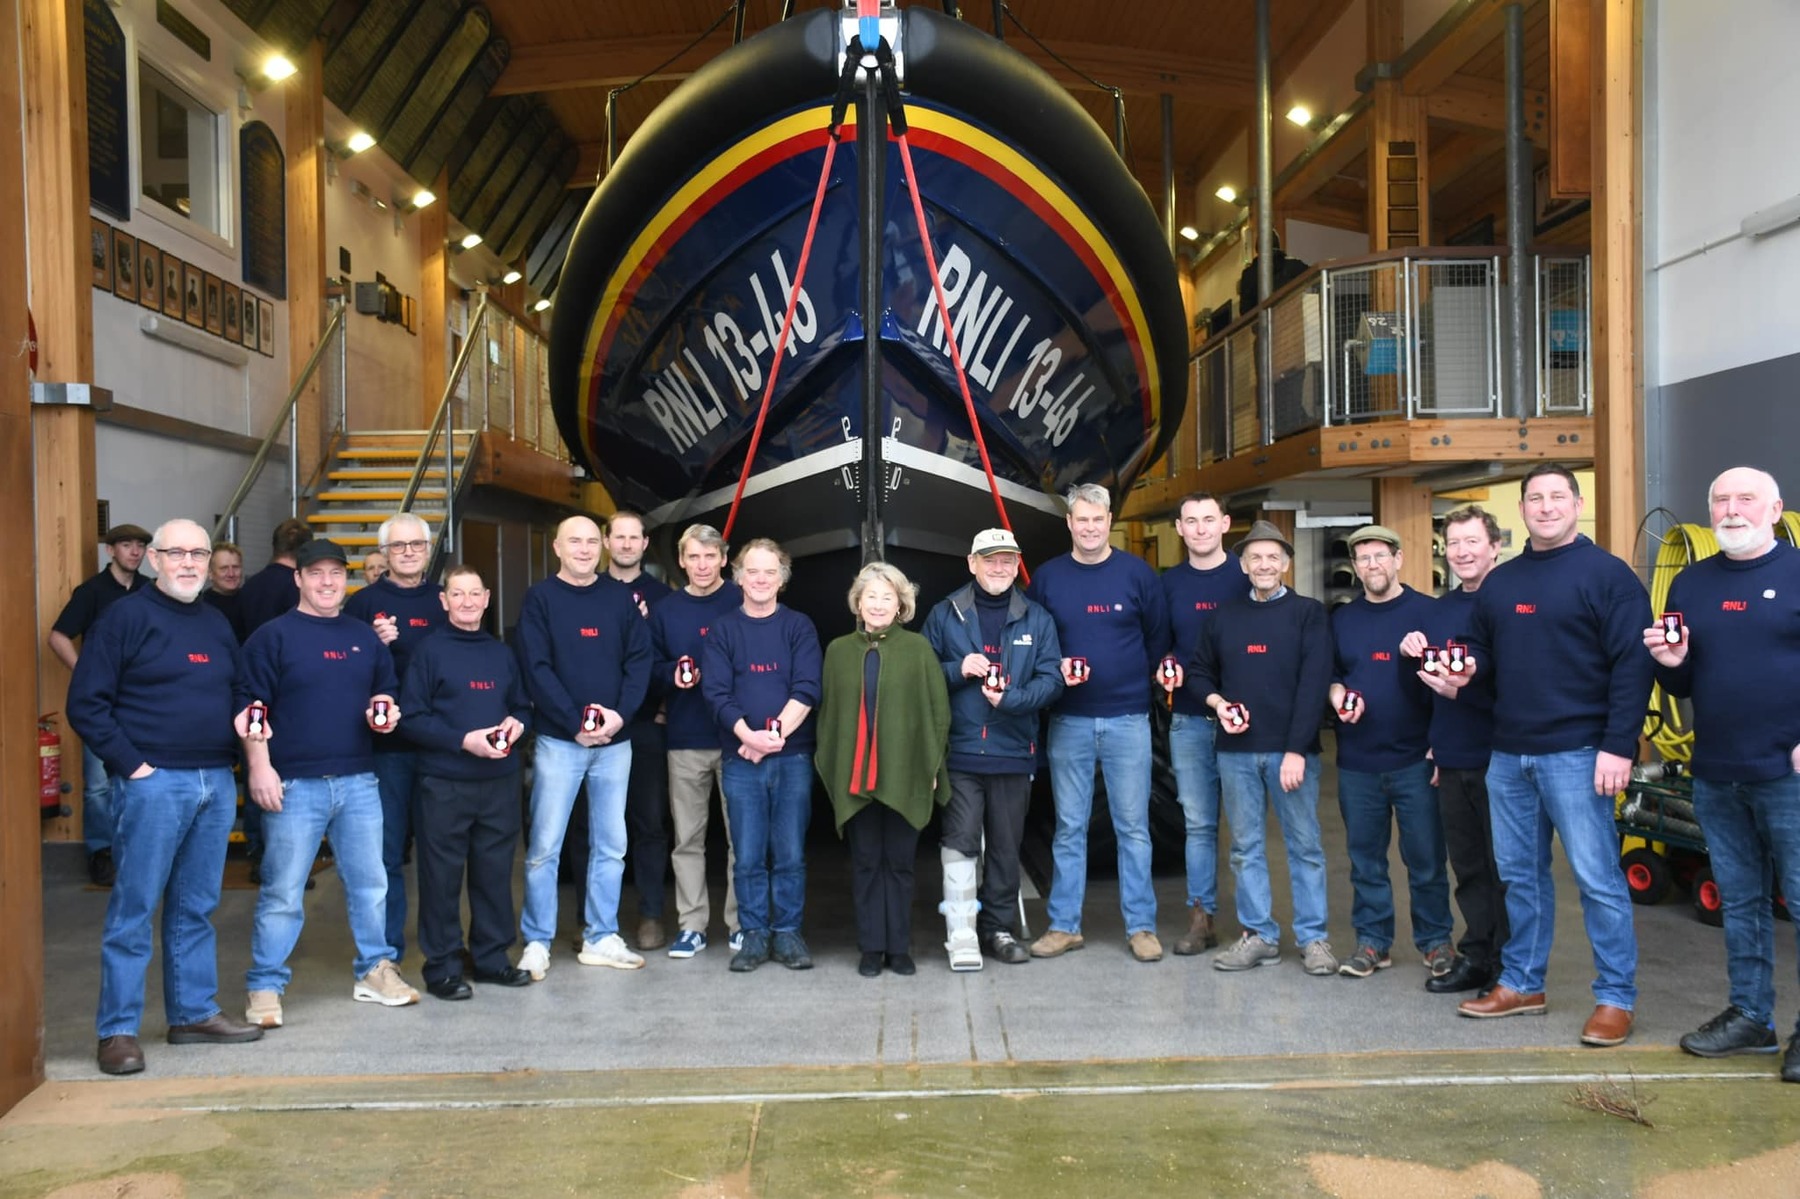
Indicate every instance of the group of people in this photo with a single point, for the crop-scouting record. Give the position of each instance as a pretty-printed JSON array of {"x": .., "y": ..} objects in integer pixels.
[{"x": 1478, "y": 724}]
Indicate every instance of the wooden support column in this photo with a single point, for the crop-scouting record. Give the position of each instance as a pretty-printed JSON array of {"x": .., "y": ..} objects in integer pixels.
[
  {"x": 304, "y": 96},
  {"x": 1618, "y": 282},
  {"x": 21, "y": 887},
  {"x": 1405, "y": 507},
  {"x": 62, "y": 300},
  {"x": 1399, "y": 198},
  {"x": 434, "y": 299}
]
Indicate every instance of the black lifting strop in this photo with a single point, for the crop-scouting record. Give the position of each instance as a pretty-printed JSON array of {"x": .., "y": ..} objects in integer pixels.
[{"x": 890, "y": 86}]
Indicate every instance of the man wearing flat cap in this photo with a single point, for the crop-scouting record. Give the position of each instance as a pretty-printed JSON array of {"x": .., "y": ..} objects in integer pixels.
[
  {"x": 1262, "y": 669},
  {"x": 326, "y": 683},
  {"x": 91, "y": 597},
  {"x": 1002, "y": 664},
  {"x": 1384, "y": 778}
]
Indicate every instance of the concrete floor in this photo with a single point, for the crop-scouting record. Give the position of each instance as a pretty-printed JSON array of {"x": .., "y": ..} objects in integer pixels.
[{"x": 1087, "y": 1075}]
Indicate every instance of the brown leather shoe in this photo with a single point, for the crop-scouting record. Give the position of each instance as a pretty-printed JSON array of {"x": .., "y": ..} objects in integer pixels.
[
  {"x": 1608, "y": 1026},
  {"x": 651, "y": 934},
  {"x": 119, "y": 1055},
  {"x": 1055, "y": 943},
  {"x": 1502, "y": 1001},
  {"x": 1199, "y": 936},
  {"x": 217, "y": 1029}
]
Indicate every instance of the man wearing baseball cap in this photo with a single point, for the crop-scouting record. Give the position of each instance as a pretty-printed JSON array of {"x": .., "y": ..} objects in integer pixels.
[
  {"x": 1263, "y": 669},
  {"x": 328, "y": 685},
  {"x": 1001, "y": 661},
  {"x": 125, "y": 543},
  {"x": 1384, "y": 778}
]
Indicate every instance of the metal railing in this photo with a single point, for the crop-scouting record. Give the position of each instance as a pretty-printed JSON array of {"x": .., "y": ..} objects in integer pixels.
[
  {"x": 1396, "y": 336},
  {"x": 443, "y": 425},
  {"x": 289, "y": 415}
]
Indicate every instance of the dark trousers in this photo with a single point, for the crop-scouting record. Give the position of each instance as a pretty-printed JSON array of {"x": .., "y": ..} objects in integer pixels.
[
  {"x": 472, "y": 826},
  {"x": 397, "y": 774},
  {"x": 882, "y": 849},
  {"x": 647, "y": 816},
  {"x": 1469, "y": 837},
  {"x": 994, "y": 804}
]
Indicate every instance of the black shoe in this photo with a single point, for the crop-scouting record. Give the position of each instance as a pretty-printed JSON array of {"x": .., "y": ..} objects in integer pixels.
[
  {"x": 1790, "y": 1065},
  {"x": 453, "y": 987},
  {"x": 101, "y": 871},
  {"x": 1465, "y": 975},
  {"x": 791, "y": 951},
  {"x": 256, "y": 872},
  {"x": 869, "y": 966},
  {"x": 1730, "y": 1033},
  {"x": 119, "y": 1055},
  {"x": 1002, "y": 947},
  {"x": 901, "y": 963},
  {"x": 754, "y": 953},
  {"x": 512, "y": 976}
]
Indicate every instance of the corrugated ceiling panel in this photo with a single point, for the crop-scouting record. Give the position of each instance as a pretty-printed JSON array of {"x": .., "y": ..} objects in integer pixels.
[
  {"x": 289, "y": 24},
  {"x": 545, "y": 263},
  {"x": 509, "y": 169},
  {"x": 551, "y": 155},
  {"x": 498, "y": 131},
  {"x": 540, "y": 208},
  {"x": 453, "y": 122},
  {"x": 428, "y": 100},
  {"x": 412, "y": 57},
  {"x": 353, "y": 58}
]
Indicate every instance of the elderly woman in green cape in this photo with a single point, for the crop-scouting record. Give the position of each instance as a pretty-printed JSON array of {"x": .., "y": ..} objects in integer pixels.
[{"x": 883, "y": 726}]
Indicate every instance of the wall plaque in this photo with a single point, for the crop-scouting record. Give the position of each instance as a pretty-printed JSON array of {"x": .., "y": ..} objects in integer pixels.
[
  {"x": 264, "y": 208},
  {"x": 108, "y": 103}
]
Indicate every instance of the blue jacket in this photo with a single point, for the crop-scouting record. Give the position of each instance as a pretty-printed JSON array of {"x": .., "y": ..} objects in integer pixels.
[{"x": 1032, "y": 657}]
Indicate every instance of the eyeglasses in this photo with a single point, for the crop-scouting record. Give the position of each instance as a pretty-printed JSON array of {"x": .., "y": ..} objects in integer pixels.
[
  {"x": 408, "y": 547},
  {"x": 1374, "y": 559},
  {"x": 181, "y": 555}
]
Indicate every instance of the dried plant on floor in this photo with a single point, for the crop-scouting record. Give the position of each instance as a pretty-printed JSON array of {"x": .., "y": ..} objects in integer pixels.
[{"x": 1609, "y": 1098}]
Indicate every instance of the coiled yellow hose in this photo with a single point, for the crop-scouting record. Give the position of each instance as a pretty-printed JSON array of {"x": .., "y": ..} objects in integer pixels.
[{"x": 1666, "y": 727}]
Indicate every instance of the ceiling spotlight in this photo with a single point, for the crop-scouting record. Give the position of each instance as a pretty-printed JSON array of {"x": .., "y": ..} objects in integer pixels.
[
  {"x": 359, "y": 141},
  {"x": 541, "y": 306},
  {"x": 1227, "y": 193},
  {"x": 1191, "y": 233},
  {"x": 1300, "y": 115},
  {"x": 424, "y": 198},
  {"x": 470, "y": 241},
  {"x": 275, "y": 68},
  {"x": 511, "y": 277}
]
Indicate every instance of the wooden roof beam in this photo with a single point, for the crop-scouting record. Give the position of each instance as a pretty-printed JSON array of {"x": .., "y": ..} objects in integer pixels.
[
  {"x": 1481, "y": 104},
  {"x": 1334, "y": 154},
  {"x": 603, "y": 62},
  {"x": 1447, "y": 46},
  {"x": 590, "y": 161}
]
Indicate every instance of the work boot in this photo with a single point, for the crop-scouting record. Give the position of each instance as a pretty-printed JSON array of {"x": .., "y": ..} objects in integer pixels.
[{"x": 1199, "y": 936}]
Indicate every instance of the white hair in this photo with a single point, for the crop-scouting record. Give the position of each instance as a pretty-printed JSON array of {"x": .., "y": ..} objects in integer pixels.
[
  {"x": 400, "y": 518},
  {"x": 156, "y": 538}
]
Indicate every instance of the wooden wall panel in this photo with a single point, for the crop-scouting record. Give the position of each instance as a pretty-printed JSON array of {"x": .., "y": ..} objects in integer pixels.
[
  {"x": 1571, "y": 99},
  {"x": 1618, "y": 279},
  {"x": 306, "y": 152}
]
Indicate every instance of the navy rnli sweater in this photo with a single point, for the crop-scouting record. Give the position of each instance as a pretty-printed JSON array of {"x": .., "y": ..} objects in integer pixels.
[
  {"x": 580, "y": 646},
  {"x": 1462, "y": 729},
  {"x": 460, "y": 681},
  {"x": 753, "y": 665},
  {"x": 417, "y": 613},
  {"x": 1743, "y": 661},
  {"x": 1274, "y": 658},
  {"x": 1392, "y": 733},
  {"x": 1114, "y": 614},
  {"x": 1193, "y": 595},
  {"x": 153, "y": 684},
  {"x": 1562, "y": 631},
  {"x": 317, "y": 674},
  {"x": 679, "y": 625}
]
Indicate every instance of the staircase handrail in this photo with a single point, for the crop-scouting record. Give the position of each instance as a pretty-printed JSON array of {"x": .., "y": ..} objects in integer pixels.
[
  {"x": 286, "y": 416},
  {"x": 477, "y": 325}
]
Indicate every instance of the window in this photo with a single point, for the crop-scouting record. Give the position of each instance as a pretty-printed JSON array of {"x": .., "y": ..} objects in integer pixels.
[{"x": 179, "y": 150}]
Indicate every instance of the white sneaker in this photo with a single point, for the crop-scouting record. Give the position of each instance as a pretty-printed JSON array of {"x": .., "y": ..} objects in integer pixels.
[
  {"x": 535, "y": 961},
  {"x": 384, "y": 985},
  {"x": 264, "y": 1010},
  {"x": 609, "y": 950},
  {"x": 965, "y": 949}
]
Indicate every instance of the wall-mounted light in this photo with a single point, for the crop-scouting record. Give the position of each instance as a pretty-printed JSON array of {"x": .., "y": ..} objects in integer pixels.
[
  {"x": 1300, "y": 115},
  {"x": 470, "y": 241},
  {"x": 359, "y": 141},
  {"x": 541, "y": 306},
  {"x": 1227, "y": 193},
  {"x": 424, "y": 198},
  {"x": 511, "y": 277},
  {"x": 1190, "y": 233},
  {"x": 276, "y": 67}
]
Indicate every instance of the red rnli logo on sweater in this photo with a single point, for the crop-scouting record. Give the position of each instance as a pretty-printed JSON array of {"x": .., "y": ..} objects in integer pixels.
[
  {"x": 483, "y": 685},
  {"x": 765, "y": 668},
  {"x": 418, "y": 622},
  {"x": 1254, "y": 648},
  {"x": 590, "y": 632},
  {"x": 1381, "y": 655},
  {"x": 199, "y": 658},
  {"x": 1735, "y": 606},
  {"x": 1204, "y": 605},
  {"x": 336, "y": 655},
  {"x": 1525, "y": 609}
]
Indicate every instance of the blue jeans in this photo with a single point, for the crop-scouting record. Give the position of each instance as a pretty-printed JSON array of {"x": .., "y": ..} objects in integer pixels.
[
  {"x": 559, "y": 769},
  {"x": 1753, "y": 838},
  {"x": 1196, "y": 765},
  {"x": 1372, "y": 804},
  {"x": 96, "y": 802},
  {"x": 1121, "y": 746},
  {"x": 1529, "y": 797},
  {"x": 347, "y": 808},
  {"x": 397, "y": 774},
  {"x": 768, "y": 805},
  {"x": 1250, "y": 782},
  {"x": 169, "y": 847}
]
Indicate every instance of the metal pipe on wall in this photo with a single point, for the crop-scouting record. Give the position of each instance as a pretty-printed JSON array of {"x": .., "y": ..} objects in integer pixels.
[
  {"x": 1168, "y": 132},
  {"x": 1265, "y": 162},
  {"x": 1519, "y": 358}
]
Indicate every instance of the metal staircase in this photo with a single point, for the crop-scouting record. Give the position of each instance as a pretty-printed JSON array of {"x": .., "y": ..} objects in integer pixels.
[{"x": 366, "y": 482}]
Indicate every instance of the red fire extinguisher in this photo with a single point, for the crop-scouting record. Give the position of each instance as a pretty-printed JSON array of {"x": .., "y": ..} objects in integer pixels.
[{"x": 49, "y": 767}]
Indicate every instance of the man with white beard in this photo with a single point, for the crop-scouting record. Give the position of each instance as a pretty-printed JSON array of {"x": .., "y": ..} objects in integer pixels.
[{"x": 1727, "y": 639}]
